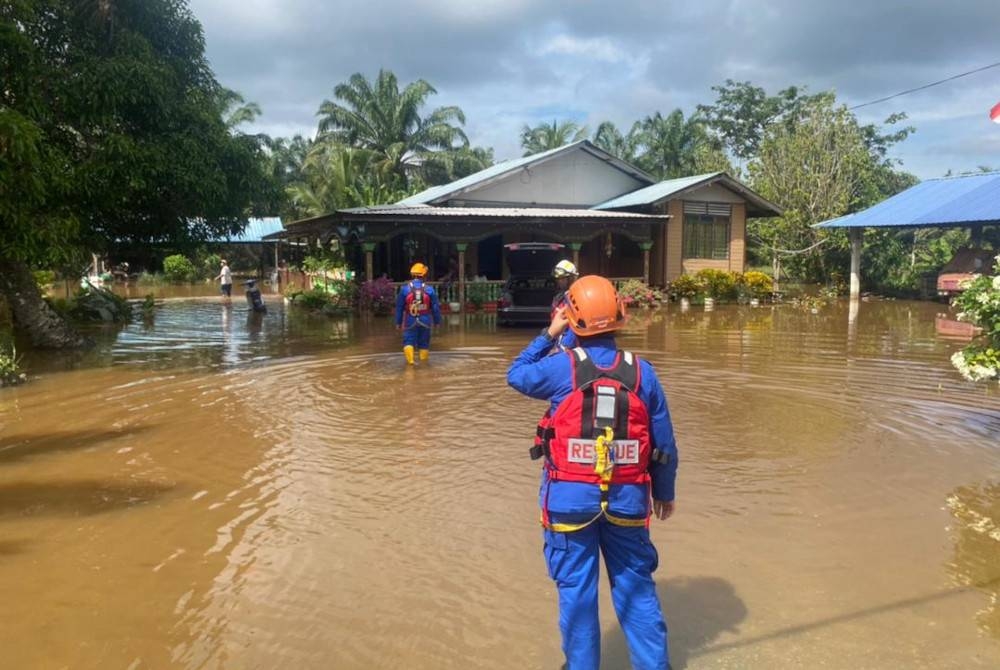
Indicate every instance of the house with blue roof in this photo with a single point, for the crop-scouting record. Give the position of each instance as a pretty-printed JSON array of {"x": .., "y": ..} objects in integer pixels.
[{"x": 615, "y": 220}]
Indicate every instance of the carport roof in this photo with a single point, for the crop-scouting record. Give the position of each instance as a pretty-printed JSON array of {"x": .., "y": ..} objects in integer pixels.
[{"x": 948, "y": 201}]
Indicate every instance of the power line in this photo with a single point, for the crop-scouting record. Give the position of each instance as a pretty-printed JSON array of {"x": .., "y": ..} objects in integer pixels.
[{"x": 920, "y": 88}]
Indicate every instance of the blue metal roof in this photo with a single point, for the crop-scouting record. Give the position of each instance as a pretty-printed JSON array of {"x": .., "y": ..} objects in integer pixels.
[
  {"x": 656, "y": 192},
  {"x": 949, "y": 201},
  {"x": 257, "y": 228},
  {"x": 672, "y": 188}
]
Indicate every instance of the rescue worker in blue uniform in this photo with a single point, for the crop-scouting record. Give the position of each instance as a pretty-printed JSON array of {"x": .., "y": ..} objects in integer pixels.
[
  {"x": 417, "y": 310},
  {"x": 565, "y": 273},
  {"x": 586, "y": 513}
]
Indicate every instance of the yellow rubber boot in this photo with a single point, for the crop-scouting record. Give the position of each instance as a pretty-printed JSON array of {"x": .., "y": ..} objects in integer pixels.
[
  {"x": 425, "y": 354},
  {"x": 408, "y": 352}
]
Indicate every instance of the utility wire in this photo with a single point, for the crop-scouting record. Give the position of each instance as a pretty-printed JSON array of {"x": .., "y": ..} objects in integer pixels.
[{"x": 920, "y": 88}]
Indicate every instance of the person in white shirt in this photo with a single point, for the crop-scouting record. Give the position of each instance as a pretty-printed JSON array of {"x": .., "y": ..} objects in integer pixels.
[{"x": 226, "y": 279}]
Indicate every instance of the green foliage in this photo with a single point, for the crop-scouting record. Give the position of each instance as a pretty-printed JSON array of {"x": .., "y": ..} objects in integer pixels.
[
  {"x": 666, "y": 146},
  {"x": 477, "y": 293},
  {"x": 754, "y": 284},
  {"x": 206, "y": 264},
  {"x": 686, "y": 286},
  {"x": 93, "y": 304},
  {"x": 111, "y": 131},
  {"x": 979, "y": 304},
  {"x": 178, "y": 268},
  {"x": 637, "y": 293},
  {"x": 379, "y": 118},
  {"x": 719, "y": 284},
  {"x": 536, "y": 139},
  {"x": 44, "y": 278},
  {"x": 10, "y": 366}
]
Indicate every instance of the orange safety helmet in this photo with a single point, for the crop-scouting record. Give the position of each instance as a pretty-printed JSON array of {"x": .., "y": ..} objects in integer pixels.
[
  {"x": 418, "y": 270},
  {"x": 593, "y": 306}
]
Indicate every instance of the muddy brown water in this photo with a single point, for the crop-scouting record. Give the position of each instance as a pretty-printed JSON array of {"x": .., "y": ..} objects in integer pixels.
[{"x": 218, "y": 491}]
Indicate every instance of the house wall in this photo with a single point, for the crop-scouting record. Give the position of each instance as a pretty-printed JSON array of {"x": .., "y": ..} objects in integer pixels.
[
  {"x": 577, "y": 179},
  {"x": 673, "y": 260}
]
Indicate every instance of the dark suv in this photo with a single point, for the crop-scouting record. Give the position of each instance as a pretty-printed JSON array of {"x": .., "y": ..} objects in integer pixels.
[{"x": 527, "y": 295}]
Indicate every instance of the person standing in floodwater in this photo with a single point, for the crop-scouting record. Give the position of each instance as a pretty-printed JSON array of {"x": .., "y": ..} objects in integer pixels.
[
  {"x": 610, "y": 461},
  {"x": 417, "y": 309},
  {"x": 565, "y": 273},
  {"x": 225, "y": 278},
  {"x": 254, "y": 299}
]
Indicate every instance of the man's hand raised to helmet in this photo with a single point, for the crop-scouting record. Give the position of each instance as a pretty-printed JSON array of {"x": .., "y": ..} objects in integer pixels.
[{"x": 559, "y": 323}]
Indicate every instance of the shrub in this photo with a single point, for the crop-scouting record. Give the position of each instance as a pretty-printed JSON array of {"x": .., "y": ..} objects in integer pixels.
[
  {"x": 206, "y": 265},
  {"x": 719, "y": 284},
  {"x": 178, "y": 268},
  {"x": 315, "y": 299},
  {"x": 10, "y": 368},
  {"x": 636, "y": 293},
  {"x": 980, "y": 304},
  {"x": 44, "y": 278},
  {"x": 755, "y": 284},
  {"x": 377, "y": 296},
  {"x": 685, "y": 286},
  {"x": 477, "y": 293}
]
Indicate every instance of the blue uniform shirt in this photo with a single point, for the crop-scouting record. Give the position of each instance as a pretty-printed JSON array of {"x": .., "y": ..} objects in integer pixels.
[
  {"x": 407, "y": 320},
  {"x": 544, "y": 377}
]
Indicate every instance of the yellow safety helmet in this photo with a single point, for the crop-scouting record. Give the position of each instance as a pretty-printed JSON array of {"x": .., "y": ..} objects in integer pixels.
[
  {"x": 418, "y": 270},
  {"x": 565, "y": 269}
]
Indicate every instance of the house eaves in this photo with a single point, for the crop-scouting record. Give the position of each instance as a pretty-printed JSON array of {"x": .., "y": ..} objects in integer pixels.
[{"x": 672, "y": 189}]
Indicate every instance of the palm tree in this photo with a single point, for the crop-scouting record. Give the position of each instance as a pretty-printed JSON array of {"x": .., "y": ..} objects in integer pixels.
[
  {"x": 677, "y": 147},
  {"x": 626, "y": 147},
  {"x": 378, "y": 117},
  {"x": 544, "y": 137},
  {"x": 334, "y": 177}
]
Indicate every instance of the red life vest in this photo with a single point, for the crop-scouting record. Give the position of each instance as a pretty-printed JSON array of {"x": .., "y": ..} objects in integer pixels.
[
  {"x": 417, "y": 300},
  {"x": 600, "y": 398}
]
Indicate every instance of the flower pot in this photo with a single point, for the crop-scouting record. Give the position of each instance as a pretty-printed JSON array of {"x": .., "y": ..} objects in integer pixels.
[
  {"x": 685, "y": 304},
  {"x": 709, "y": 304},
  {"x": 755, "y": 302},
  {"x": 455, "y": 306}
]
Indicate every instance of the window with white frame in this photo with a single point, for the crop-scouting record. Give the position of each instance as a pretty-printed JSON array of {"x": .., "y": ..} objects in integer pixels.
[{"x": 706, "y": 230}]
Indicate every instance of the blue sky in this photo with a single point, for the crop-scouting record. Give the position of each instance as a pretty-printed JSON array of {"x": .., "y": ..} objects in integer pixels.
[{"x": 511, "y": 62}]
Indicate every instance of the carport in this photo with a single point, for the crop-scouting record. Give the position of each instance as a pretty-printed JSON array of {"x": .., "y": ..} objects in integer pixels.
[{"x": 968, "y": 201}]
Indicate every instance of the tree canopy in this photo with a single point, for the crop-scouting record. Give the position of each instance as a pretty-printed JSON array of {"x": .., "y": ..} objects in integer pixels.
[
  {"x": 112, "y": 128},
  {"x": 380, "y": 118}
]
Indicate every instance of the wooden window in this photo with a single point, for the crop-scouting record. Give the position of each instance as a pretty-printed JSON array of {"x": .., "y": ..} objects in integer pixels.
[{"x": 706, "y": 230}]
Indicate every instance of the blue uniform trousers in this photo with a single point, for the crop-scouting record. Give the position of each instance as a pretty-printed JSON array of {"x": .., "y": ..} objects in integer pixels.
[
  {"x": 417, "y": 335},
  {"x": 630, "y": 558}
]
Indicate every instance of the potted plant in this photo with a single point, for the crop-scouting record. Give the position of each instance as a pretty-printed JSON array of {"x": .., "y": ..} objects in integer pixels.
[
  {"x": 719, "y": 285},
  {"x": 684, "y": 289},
  {"x": 756, "y": 286}
]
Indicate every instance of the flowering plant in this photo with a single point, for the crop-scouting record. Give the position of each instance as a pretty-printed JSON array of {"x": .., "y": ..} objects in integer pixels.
[
  {"x": 979, "y": 303},
  {"x": 636, "y": 293},
  {"x": 377, "y": 296},
  {"x": 686, "y": 286}
]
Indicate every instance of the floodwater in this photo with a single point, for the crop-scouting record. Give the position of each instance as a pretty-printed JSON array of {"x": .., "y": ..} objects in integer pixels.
[{"x": 214, "y": 490}]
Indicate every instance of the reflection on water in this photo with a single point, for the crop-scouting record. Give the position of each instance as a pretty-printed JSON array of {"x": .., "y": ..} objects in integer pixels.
[
  {"x": 219, "y": 489},
  {"x": 977, "y": 546}
]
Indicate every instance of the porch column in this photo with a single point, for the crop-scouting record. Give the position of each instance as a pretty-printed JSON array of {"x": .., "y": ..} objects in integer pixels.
[
  {"x": 575, "y": 248},
  {"x": 645, "y": 246},
  {"x": 369, "y": 248},
  {"x": 856, "y": 235},
  {"x": 461, "y": 246}
]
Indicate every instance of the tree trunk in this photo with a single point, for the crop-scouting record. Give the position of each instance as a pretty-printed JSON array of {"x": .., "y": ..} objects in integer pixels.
[{"x": 32, "y": 315}]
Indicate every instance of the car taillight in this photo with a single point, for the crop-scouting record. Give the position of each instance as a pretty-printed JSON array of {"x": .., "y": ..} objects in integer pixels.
[{"x": 503, "y": 302}]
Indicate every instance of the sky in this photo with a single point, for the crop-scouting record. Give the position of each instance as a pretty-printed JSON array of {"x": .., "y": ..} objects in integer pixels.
[{"x": 507, "y": 63}]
